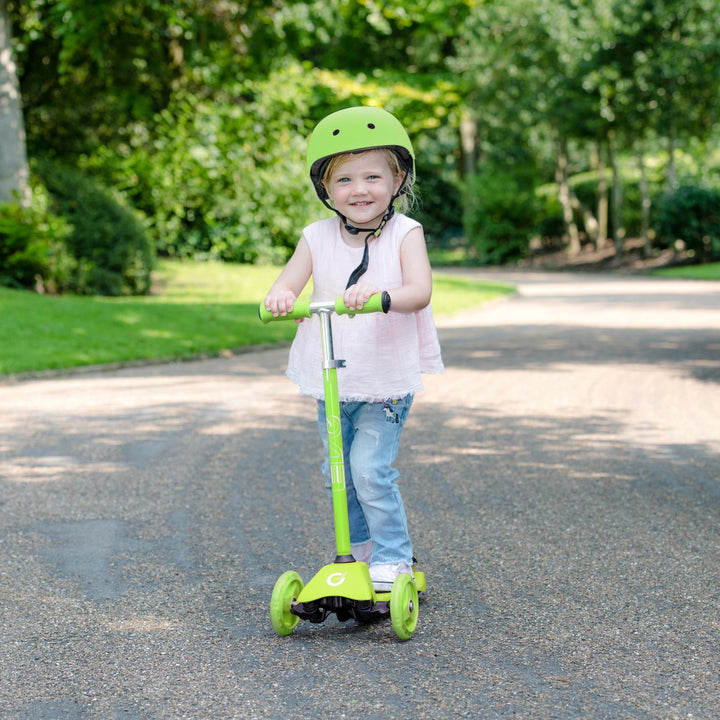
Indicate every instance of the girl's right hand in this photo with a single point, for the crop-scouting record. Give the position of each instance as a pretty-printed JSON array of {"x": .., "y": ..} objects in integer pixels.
[{"x": 280, "y": 302}]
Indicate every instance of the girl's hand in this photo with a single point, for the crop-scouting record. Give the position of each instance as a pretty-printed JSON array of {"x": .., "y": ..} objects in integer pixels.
[
  {"x": 357, "y": 295},
  {"x": 281, "y": 297},
  {"x": 280, "y": 302}
]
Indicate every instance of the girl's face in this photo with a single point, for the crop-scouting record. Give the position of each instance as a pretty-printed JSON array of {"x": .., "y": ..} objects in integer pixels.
[{"x": 362, "y": 186}]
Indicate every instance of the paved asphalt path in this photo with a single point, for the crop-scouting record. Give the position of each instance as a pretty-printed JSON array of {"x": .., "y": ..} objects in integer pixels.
[{"x": 562, "y": 481}]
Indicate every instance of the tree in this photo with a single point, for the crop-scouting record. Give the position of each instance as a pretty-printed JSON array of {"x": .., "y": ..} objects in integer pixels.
[
  {"x": 675, "y": 69},
  {"x": 518, "y": 66},
  {"x": 13, "y": 156},
  {"x": 176, "y": 104}
]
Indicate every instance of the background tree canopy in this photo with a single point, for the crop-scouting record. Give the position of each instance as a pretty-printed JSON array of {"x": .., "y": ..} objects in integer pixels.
[{"x": 535, "y": 121}]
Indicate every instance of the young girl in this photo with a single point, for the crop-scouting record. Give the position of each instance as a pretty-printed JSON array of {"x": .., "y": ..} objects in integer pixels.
[{"x": 361, "y": 162}]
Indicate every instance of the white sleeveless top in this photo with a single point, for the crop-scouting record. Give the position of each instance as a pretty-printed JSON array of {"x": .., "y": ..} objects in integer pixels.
[{"x": 384, "y": 354}]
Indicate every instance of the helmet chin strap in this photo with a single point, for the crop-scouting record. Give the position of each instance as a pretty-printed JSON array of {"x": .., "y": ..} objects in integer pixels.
[
  {"x": 361, "y": 269},
  {"x": 374, "y": 232}
]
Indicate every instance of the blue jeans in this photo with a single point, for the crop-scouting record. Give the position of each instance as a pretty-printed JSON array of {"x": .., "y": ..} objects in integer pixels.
[{"x": 371, "y": 436}]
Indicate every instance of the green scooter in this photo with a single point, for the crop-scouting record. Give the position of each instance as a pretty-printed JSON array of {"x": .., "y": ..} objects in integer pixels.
[{"x": 344, "y": 587}]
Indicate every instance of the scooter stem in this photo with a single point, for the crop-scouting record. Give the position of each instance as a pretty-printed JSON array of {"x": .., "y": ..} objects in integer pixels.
[
  {"x": 379, "y": 302},
  {"x": 336, "y": 457}
]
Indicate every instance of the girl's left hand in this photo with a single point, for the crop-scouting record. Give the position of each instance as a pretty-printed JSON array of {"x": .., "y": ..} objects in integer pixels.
[{"x": 357, "y": 295}]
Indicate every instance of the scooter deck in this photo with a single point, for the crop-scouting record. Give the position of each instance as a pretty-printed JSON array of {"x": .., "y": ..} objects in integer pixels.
[{"x": 346, "y": 590}]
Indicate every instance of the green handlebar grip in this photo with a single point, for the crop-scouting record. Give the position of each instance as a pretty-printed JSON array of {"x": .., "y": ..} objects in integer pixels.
[
  {"x": 379, "y": 302},
  {"x": 301, "y": 309}
]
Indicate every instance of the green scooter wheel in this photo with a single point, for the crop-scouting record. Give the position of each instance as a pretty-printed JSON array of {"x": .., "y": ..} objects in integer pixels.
[
  {"x": 404, "y": 606},
  {"x": 287, "y": 588}
]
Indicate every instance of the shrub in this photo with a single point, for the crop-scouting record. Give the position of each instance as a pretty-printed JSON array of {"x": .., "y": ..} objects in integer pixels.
[
  {"x": 32, "y": 246},
  {"x": 439, "y": 208},
  {"x": 499, "y": 217},
  {"x": 113, "y": 253},
  {"x": 690, "y": 214},
  {"x": 223, "y": 179}
]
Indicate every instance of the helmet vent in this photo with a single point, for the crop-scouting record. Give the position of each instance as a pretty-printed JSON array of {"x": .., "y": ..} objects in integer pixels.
[
  {"x": 371, "y": 126},
  {"x": 336, "y": 132}
]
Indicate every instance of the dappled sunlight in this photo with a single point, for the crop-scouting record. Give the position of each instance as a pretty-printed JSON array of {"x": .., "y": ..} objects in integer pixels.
[
  {"x": 483, "y": 354},
  {"x": 479, "y": 451},
  {"x": 143, "y": 624},
  {"x": 574, "y": 420},
  {"x": 27, "y": 469},
  {"x": 609, "y": 302},
  {"x": 614, "y": 288},
  {"x": 225, "y": 428},
  {"x": 117, "y": 423},
  {"x": 278, "y": 414}
]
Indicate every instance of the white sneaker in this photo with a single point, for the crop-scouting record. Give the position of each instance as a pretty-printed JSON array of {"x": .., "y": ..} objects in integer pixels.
[
  {"x": 383, "y": 574},
  {"x": 362, "y": 552}
]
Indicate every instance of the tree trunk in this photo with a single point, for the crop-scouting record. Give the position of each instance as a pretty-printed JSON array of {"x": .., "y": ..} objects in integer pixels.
[
  {"x": 564, "y": 197},
  {"x": 469, "y": 145},
  {"x": 602, "y": 201},
  {"x": 618, "y": 231},
  {"x": 671, "y": 179},
  {"x": 14, "y": 173},
  {"x": 590, "y": 222},
  {"x": 645, "y": 205}
]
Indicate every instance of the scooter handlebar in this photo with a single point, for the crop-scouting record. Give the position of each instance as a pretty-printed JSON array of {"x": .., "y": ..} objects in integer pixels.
[{"x": 379, "y": 302}]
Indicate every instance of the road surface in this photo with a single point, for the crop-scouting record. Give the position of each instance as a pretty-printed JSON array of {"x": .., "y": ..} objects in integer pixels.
[{"x": 562, "y": 481}]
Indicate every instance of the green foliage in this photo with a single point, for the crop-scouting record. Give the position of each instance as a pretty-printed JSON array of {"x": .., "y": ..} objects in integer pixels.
[
  {"x": 644, "y": 71},
  {"x": 32, "y": 247},
  {"x": 197, "y": 112},
  {"x": 114, "y": 255},
  {"x": 223, "y": 179},
  {"x": 550, "y": 222},
  {"x": 93, "y": 72},
  {"x": 367, "y": 35},
  {"x": 500, "y": 216},
  {"x": 691, "y": 214},
  {"x": 439, "y": 209}
]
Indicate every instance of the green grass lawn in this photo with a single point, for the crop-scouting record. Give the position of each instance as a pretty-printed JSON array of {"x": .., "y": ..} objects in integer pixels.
[
  {"x": 197, "y": 309},
  {"x": 709, "y": 271}
]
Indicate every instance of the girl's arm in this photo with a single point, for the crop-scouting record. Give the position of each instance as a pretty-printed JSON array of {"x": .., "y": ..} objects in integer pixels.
[
  {"x": 416, "y": 290},
  {"x": 291, "y": 281}
]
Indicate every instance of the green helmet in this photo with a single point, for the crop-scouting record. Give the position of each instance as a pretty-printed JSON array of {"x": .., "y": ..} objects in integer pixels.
[{"x": 353, "y": 130}]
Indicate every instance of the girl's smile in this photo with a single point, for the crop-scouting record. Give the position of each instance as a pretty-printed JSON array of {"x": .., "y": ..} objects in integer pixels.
[{"x": 361, "y": 187}]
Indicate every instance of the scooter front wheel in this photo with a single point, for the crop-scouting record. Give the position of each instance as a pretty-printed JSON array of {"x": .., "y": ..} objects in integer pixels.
[
  {"x": 287, "y": 588},
  {"x": 404, "y": 606}
]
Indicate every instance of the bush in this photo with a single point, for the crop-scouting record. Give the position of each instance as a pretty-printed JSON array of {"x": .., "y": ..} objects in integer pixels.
[
  {"x": 550, "y": 222},
  {"x": 439, "y": 209},
  {"x": 113, "y": 253},
  {"x": 224, "y": 179},
  {"x": 690, "y": 214},
  {"x": 499, "y": 217},
  {"x": 32, "y": 246}
]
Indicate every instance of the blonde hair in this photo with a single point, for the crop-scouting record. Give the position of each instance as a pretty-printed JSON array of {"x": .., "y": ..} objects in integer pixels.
[{"x": 406, "y": 200}]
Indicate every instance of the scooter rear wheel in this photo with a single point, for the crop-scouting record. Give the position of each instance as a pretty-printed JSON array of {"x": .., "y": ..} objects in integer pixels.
[
  {"x": 404, "y": 606},
  {"x": 287, "y": 588}
]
